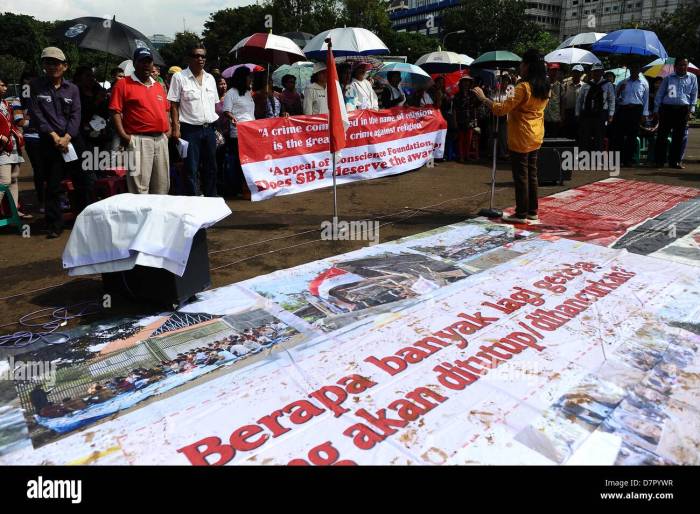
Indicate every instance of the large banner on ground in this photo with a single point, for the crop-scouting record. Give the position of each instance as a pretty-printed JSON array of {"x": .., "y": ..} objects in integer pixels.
[
  {"x": 472, "y": 343},
  {"x": 282, "y": 156}
]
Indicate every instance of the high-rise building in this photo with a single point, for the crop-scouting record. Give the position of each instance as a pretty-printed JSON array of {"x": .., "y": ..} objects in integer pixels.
[
  {"x": 425, "y": 16},
  {"x": 609, "y": 15},
  {"x": 160, "y": 40},
  {"x": 562, "y": 18}
]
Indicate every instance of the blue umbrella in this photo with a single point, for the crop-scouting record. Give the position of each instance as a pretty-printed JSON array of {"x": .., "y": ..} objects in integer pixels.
[
  {"x": 412, "y": 76},
  {"x": 630, "y": 42}
]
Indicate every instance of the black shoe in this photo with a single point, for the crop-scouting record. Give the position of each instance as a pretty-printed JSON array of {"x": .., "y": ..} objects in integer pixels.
[{"x": 53, "y": 234}]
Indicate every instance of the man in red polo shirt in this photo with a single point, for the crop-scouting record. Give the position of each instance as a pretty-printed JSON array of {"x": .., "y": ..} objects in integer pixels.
[{"x": 140, "y": 109}]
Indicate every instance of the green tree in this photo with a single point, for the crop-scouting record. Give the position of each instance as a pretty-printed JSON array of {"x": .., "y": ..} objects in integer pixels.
[
  {"x": 23, "y": 37},
  {"x": 176, "y": 53},
  {"x": 680, "y": 32},
  {"x": 411, "y": 44},
  {"x": 489, "y": 24},
  {"x": 541, "y": 40},
  {"x": 11, "y": 68},
  {"x": 368, "y": 14}
]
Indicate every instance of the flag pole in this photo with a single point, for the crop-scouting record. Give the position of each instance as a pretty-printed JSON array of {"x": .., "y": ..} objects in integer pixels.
[
  {"x": 335, "y": 190},
  {"x": 492, "y": 212}
]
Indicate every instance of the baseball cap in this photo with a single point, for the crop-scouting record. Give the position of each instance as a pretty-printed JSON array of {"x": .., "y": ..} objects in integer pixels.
[
  {"x": 578, "y": 67},
  {"x": 142, "y": 53},
  {"x": 51, "y": 52},
  {"x": 319, "y": 66}
]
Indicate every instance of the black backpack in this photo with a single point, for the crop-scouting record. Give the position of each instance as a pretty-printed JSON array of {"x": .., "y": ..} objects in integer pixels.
[{"x": 594, "y": 99}]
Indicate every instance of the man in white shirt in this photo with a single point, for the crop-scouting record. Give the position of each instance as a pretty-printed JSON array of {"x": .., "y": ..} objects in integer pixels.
[
  {"x": 315, "y": 101},
  {"x": 193, "y": 96}
]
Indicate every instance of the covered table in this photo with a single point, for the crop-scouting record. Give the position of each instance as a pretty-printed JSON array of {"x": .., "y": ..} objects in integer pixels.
[{"x": 126, "y": 230}]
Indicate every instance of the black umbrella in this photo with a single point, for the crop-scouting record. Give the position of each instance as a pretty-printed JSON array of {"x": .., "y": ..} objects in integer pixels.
[
  {"x": 300, "y": 38},
  {"x": 106, "y": 35}
]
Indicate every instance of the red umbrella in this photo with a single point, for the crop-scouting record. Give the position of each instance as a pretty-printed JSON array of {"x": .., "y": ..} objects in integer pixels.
[{"x": 269, "y": 48}]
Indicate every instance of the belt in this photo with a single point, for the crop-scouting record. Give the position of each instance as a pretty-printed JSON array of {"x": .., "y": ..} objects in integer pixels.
[
  {"x": 203, "y": 125},
  {"x": 675, "y": 106},
  {"x": 150, "y": 134}
]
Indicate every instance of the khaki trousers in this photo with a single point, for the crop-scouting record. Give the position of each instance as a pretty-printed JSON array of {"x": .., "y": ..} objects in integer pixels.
[{"x": 151, "y": 165}]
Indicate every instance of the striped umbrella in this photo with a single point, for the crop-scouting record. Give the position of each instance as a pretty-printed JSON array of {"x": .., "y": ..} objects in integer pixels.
[
  {"x": 269, "y": 48},
  {"x": 664, "y": 67},
  {"x": 346, "y": 41}
]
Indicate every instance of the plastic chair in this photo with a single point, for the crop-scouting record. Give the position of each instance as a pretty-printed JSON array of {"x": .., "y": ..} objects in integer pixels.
[{"x": 13, "y": 219}]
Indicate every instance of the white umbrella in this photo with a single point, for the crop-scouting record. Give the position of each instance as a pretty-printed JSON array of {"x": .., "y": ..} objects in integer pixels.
[
  {"x": 582, "y": 39},
  {"x": 571, "y": 56},
  {"x": 127, "y": 66},
  {"x": 466, "y": 60},
  {"x": 345, "y": 41},
  {"x": 441, "y": 62}
]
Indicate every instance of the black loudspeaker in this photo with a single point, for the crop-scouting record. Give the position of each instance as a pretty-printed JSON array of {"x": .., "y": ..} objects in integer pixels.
[
  {"x": 159, "y": 286},
  {"x": 549, "y": 160}
]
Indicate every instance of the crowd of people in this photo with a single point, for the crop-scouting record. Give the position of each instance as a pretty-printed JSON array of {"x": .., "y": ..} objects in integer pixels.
[
  {"x": 155, "y": 118},
  {"x": 227, "y": 349}
]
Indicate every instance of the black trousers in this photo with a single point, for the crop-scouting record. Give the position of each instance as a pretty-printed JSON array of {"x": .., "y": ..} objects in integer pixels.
[
  {"x": 626, "y": 130},
  {"x": 524, "y": 167},
  {"x": 32, "y": 146},
  {"x": 592, "y": 131},
  {"x": 54, "y": 170},
  {"x": 672, "y": 120}
]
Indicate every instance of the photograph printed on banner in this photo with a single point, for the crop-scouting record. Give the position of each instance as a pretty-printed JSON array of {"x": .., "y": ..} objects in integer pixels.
[
  {"x": 167, "y": 354},
  {"x": 335, "y": 292}
]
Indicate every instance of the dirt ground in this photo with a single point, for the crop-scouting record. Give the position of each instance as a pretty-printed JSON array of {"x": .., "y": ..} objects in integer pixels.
[{"x": 261, "y": 237}]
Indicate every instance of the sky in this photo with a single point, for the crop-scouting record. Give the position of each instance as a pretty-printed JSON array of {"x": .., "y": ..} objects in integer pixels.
[{"x": 147, "y": 16}]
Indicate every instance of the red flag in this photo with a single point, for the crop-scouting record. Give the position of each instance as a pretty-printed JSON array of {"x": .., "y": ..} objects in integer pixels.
[{"x": 338, "y": 121}]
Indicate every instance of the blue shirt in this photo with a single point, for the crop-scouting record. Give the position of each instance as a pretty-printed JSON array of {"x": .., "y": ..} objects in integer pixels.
[
  {"x": 635, "y": 92},
  {"x": 676, "y": 90}
]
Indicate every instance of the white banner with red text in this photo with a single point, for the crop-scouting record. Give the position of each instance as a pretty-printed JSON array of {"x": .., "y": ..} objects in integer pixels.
[{"x": 282, "y": 156}]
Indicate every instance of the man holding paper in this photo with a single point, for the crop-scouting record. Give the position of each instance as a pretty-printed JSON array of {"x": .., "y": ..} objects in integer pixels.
[
  {"x": 193, "y": 96},
  {"x": 55, "y": 109}
]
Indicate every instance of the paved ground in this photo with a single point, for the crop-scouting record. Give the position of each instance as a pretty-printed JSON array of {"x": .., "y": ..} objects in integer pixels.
[{"x": 262, "y": 237}]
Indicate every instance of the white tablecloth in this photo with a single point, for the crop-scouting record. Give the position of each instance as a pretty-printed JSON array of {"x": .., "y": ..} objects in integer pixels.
[{"x": 121, "y": 231}]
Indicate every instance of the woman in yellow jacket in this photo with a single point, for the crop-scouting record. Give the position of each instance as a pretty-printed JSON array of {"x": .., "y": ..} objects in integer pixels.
[{"x": 525, "y": 110}]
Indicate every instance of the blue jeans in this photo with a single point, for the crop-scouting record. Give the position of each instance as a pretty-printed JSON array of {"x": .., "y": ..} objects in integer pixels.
[{"x": 201, "y": 149}]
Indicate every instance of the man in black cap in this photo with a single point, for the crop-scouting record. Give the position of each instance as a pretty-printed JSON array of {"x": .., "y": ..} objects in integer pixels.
[{"x": 55, "y": 110}]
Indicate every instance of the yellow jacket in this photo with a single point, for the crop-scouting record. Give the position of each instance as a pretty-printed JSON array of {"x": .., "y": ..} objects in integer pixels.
[{"x": 525, "y": 119}]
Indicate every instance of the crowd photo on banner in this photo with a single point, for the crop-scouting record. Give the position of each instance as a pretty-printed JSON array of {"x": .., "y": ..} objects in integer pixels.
[{"x": 560, "y": 325}]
